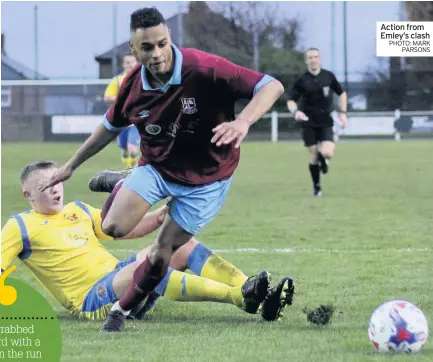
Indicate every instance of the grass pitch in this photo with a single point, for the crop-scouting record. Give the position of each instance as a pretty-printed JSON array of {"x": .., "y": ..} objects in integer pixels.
[{"x": 369, "y": 239}]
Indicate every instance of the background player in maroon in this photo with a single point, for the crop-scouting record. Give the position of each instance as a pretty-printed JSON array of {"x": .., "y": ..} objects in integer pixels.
[{"x": 182, "y": 102}]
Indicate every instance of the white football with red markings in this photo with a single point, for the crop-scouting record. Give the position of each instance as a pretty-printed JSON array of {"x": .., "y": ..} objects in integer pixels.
[{"x": 398, "y": 326}]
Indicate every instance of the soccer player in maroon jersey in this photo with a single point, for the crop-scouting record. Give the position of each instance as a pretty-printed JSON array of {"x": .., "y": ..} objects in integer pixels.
[{"x": 182, "y": 102}]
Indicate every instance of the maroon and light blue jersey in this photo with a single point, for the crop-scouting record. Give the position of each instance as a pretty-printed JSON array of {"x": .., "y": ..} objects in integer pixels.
[{"x": 176, "y": 121}]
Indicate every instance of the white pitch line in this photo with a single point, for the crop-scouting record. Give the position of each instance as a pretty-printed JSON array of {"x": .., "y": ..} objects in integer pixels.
[
  {"x": 307, "y": 251},
  {"x": 325, "y": 251}
]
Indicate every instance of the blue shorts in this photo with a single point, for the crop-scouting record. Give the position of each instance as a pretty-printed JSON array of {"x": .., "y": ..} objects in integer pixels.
[
  {"x": 101, "y": 297},
  {"x": 129, "y": 136},
  {"x": 192, "y": 207}
]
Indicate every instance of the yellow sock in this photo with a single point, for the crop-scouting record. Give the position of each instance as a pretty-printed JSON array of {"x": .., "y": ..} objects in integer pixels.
[
  {"x": 211, "y": 266},
  {"x": 134, "y": 160},
  {"x": 183, "y": 287},
  {"x": 126, "y": 161},
  {"x": 216, "y": 268}
]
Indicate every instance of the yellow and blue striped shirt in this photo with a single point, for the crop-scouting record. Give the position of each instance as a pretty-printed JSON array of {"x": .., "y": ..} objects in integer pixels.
[{"x": 62, "y": 251}]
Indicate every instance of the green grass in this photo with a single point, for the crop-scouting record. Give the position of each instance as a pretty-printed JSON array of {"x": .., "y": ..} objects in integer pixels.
[{"x": 378, "y": 197}]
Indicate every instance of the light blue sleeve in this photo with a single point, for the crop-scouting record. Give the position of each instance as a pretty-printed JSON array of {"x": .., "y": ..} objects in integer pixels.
[
  {"x": 110, "y": 127},
  {"x": 265, "y": 80}
]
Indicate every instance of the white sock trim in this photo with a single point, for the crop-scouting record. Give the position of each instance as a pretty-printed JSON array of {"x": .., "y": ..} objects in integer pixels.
[{"x": 116, "y": 306}]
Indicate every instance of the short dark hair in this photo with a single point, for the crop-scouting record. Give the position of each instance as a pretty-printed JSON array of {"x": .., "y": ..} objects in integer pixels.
[
  {"x": 35, "y": 166},
  {"x": 312, "y": 48},
  {"x": 146, "y": 18}
]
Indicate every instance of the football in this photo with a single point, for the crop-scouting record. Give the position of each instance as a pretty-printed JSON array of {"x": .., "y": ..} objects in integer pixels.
[{"x": 398, "y": 326}]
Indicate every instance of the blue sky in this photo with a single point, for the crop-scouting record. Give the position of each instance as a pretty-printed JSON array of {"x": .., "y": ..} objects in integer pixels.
[{"x": 70, "y": 34}]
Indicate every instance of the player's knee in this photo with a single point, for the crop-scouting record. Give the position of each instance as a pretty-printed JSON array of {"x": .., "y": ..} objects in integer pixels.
[
  {"x": 161, "y": 256},
  {"x": 160, "y": 260},
  {"x": 113, "y": 229},
  {"x": 109, "y": 201}
]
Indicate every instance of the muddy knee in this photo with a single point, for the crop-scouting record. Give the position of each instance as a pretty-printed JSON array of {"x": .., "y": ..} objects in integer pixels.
[{"x": 113, "y": 229}]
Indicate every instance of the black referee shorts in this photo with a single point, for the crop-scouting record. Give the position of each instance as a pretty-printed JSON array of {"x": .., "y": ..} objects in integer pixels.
[{"x": 314, "y": 135}]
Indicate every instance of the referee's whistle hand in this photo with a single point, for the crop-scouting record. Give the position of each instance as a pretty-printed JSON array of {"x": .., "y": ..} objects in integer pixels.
[
  {"x": 300, "y": 116},
  {"x": 343, "y": 120}
]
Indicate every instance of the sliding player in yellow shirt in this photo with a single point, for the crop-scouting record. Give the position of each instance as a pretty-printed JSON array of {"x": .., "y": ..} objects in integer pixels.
[
  {"x": 60, "y": 245},
  {"x": 129, "y": 139}
]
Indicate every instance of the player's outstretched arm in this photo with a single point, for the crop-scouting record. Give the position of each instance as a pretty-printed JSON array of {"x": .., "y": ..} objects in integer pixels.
[
  {"x": 11, "y": 243},
  {"x": 261, "y": 102},
  {"x": 293, "y": 108},
  {"x": 294, "y": 96},
  {"x": 342, "y": 99},
  {"x": 98, "y": 140}
]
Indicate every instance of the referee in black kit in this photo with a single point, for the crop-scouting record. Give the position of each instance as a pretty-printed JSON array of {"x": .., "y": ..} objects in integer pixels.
[{"x": 314, "y": 88}]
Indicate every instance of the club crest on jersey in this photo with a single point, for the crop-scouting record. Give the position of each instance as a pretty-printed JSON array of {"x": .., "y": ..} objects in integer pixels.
[
  {"x": 71, "y": 217},
  {"x": 189, "y": 106},
  {"x": 326, "y": 91},
  {"x": 101, "y": 291},
  {"x": 153, "y": 129}
]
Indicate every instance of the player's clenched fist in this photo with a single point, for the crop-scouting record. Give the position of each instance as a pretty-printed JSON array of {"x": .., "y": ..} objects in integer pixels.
[{"x": 228, "y": 132}]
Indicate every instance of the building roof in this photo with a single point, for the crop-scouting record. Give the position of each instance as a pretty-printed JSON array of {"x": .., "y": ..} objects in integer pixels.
[
  {"x": 12, "y": 70},
  {"x": 123, "y": 48}
]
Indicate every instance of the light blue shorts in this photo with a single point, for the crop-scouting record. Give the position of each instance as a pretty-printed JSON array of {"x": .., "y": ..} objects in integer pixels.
[{"x": 192, "y": 207}]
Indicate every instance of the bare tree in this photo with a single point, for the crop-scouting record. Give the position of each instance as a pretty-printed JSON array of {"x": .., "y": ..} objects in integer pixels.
[
  {"x": 419, "y": 70},
  {"x": 407, "y": 84},
  {"x": 241, "y": 30},
  {"x": 267, "y": 35},
  {"x": 210, "y": 30},
  {"x": 419, "y": 10},
  {"x": 265, "y": 19}
]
